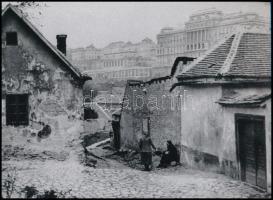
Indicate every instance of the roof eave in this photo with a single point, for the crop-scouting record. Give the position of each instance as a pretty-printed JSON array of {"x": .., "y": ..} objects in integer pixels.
[
  {"x": 243, "y": 105},
  {"x": 223, "y": 79},
  {"x": 37, "y": 32}
]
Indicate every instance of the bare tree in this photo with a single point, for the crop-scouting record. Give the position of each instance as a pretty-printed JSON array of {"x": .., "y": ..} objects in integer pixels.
[{"x": 30, "y": 9}]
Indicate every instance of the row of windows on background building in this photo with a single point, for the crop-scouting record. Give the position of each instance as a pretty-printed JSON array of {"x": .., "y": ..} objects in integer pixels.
[
  {"x": 114, "y": 63},
  {"x": 186, "y": 37},
  {"x": 124, "y": 74},
  {"x": 181, "y": 49},
  {"x": 194, "y": 36}
]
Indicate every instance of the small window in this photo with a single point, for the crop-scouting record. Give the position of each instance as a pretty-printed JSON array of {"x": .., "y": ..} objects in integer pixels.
[
  {"x": 11, "y": 38},
  {"x": 17, "y": 109}
]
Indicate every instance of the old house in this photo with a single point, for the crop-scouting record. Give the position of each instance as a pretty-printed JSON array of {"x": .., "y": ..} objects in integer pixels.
[
  {"x": 226, "y": 123},
  {"x": 150, "y": 106},
  {"x": 41, "y": 90}
]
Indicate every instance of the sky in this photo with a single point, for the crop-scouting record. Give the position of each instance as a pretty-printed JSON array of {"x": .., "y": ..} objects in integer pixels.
[{"x": 100, "y": 23}]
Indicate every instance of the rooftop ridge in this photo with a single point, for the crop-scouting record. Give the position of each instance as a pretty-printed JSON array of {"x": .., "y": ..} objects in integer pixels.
[
  {"x": 19, "y": 13},
  {"x": 222, "y": 41},
  {"x": 232, "y": 52}
]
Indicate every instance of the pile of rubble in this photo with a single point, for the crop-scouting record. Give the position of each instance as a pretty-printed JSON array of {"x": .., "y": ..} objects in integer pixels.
[
  {"x": 100, "y": 154},
  {"x": 21, "y": 152}
]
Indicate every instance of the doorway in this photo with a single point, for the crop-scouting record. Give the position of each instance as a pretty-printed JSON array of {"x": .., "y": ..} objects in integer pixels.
[
  {"x": 251, "y": 149},
  {"x": 116, "y": 130}
]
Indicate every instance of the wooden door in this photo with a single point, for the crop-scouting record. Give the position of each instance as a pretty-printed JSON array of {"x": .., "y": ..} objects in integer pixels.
[
  {"x": 251, "y": 149},
  {"x": 261, "y": 154}
]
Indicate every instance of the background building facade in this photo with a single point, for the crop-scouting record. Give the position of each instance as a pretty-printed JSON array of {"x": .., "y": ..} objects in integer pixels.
[
  {"x": 118, "y": 60},
  {"x": 203, "y": 30},
  {"x": 146, "y": 59}
]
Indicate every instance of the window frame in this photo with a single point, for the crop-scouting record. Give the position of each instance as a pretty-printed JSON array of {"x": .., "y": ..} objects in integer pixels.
[
  {"x": 14, "y": 40},
  {"x": 17, "y": 109}
]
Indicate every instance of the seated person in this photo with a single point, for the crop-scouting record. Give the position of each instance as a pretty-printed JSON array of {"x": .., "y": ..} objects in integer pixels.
[{"x": 169, "y": 156}]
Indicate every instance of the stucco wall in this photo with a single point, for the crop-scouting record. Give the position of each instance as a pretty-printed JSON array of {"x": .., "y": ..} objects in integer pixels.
[
  {"x": 229, "y": 125},
  {"x": 208, "y": 129},
  {"x": 201, "y": 122},
  {"x": 164, "y": 112},
  {"x": 55, "y": 98}
]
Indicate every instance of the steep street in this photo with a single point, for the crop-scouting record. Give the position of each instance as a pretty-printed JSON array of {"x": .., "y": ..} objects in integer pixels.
[{"x": 117, "y": 180}]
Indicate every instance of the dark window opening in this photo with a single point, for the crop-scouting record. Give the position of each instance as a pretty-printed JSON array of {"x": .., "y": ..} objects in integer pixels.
[
  {"x": 11, "y": 38},
  {"x": 90, "y": 114},
  {"x": 17, "y": 109}
]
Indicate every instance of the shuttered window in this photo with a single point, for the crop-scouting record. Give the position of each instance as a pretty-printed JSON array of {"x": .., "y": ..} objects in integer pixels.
[
  {"x": 11, "y": 38},
  {"x": 17, "y": 109}
]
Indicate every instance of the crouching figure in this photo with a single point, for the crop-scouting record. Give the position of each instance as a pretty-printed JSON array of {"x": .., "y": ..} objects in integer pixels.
[{"x": 168, "y": 156}]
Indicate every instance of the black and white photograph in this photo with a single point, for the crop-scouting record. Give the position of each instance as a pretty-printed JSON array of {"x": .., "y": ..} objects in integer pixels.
[{"x": 136, "y": 99}]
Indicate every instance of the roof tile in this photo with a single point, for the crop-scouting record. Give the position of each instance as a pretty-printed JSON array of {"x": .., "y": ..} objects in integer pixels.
[{"x": 252, "y": 59}]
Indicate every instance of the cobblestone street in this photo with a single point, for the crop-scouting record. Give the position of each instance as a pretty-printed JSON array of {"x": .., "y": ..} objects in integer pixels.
[
  {"x": 121, "y": 181},
  {"x": 96, "y": 94}
]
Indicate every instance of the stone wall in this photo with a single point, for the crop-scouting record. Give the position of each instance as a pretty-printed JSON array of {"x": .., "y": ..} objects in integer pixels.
[
  {"x": 55, "y": 97},
  {"x": 157, "y": 103}
]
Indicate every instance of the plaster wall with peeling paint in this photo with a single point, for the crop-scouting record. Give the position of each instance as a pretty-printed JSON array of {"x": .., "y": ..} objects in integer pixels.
[
  {"x": 159, "y": 105},
  {"x": 55, "y": 97}
]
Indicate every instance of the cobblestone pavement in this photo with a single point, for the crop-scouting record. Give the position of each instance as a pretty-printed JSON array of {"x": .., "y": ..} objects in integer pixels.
[{"x": 123, "y": 182}]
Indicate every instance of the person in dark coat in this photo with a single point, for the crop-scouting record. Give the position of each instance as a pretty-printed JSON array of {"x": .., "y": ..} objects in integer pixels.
[
  {"x": 146, "y": 145},
  {"x": 169, "y": 156}
]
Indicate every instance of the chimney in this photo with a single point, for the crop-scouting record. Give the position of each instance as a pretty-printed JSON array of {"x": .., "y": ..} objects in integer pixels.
[{"x": 61, "y": 43}]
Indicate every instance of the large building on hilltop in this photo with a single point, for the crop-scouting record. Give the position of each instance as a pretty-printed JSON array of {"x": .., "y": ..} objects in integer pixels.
[
  {"x": 118, "y": 60},
  {"x": 203, "y": 30},
  {"x": 145, "y": 60}
]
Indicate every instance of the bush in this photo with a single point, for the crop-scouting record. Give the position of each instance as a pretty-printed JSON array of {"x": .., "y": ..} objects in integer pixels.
[
  {"x": 30, "y": 191},
  {"x": 8, "y": 183},
  {"x": 51, "y": 194}
]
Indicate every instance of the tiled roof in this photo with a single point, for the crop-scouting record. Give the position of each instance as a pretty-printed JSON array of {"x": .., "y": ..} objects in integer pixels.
[
  {"x": 253, "y": 56},
  {"x": 212, "y": 63},
  {"x": 252, "y": 100},
  {"x": 252, "y": 59},
  {"x": 58, "y": 53}
]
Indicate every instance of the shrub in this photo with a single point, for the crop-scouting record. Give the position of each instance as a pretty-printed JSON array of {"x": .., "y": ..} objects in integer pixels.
[
  {"x": 8, "y": 183},
  {"x": 30, "y": 191}
]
